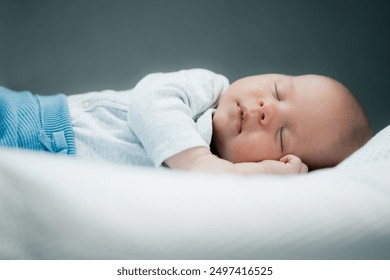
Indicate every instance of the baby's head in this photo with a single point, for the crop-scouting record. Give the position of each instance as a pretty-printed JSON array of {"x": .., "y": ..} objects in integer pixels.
[{"x": 268, "y": 116}]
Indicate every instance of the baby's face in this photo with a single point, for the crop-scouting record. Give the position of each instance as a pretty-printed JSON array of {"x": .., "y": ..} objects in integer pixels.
[{"x": 268, "y": 116}]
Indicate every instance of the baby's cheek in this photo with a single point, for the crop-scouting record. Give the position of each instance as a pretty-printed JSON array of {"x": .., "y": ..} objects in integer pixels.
[
  {"x": 255, "y": 151},
  {"x": 243, "y": 151}
]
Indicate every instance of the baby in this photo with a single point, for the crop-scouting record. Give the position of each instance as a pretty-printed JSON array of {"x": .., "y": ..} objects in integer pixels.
[
  {"x": 310, "y": 116},
  {"x": 194, "y": 120}
]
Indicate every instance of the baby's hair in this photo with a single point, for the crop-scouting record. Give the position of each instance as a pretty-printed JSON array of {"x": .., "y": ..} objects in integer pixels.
[
  {"x": 358, "y": 130},
  {"x": 353, "y": 131}
]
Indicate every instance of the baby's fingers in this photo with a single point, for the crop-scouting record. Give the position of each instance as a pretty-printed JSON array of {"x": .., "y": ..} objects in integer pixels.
[
  {"x": 295, "y": 162},
  {"x": 304, "y": 168},
  {"x": 291, "y": 159}
]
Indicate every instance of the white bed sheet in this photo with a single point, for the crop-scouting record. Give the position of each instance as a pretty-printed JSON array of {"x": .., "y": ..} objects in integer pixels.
[{"x": 54, "y": 207}]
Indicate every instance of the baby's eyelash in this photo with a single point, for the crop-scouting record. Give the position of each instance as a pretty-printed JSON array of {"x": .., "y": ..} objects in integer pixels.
[
  {"x": 276, "y": 92},
  {"x": 281, "y": 139}
]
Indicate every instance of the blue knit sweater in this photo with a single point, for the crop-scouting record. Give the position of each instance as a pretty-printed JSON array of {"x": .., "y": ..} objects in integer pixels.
[{"x": 35, "y": 122}]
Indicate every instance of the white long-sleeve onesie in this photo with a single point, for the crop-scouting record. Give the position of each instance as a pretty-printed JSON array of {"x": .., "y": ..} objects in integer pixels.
[{"x": 165, "y": 114}]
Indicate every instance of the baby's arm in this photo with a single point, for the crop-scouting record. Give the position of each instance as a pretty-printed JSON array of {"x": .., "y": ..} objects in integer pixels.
[
  {"x": 171, "y": 112},
  {"x": 200, "y": 158}
]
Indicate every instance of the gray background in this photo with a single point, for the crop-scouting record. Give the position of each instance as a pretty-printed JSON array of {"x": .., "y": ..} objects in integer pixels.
[{"x": 77, "y": 46}]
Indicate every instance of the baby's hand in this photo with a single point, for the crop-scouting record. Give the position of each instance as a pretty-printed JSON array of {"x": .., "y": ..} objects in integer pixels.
[
  {"x": 201, "y": 159},
  {"x": 289, "y": 164}
]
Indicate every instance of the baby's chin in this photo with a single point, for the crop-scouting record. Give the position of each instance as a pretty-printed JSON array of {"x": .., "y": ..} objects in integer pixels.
[{"x": 219, "y": 150}]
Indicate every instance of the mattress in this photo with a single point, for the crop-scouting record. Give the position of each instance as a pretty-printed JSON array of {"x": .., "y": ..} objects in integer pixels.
[{"x": 58, "y": 207}]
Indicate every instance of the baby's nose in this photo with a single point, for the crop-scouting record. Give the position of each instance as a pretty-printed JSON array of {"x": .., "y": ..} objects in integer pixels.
[{"x": 268, "y": 111}]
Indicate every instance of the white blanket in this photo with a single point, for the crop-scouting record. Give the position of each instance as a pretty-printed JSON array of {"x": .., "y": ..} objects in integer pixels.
[{"x": 54, "y": 207}]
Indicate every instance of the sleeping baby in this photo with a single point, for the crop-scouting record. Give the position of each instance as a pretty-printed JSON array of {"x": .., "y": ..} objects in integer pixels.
[{"x": 195, "y": 120}]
